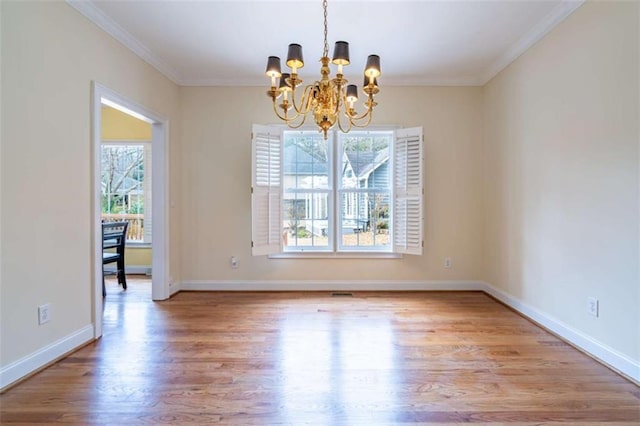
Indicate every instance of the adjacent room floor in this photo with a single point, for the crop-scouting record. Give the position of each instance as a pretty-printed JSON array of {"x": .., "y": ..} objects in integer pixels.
[{"x": 312, "y": 358}]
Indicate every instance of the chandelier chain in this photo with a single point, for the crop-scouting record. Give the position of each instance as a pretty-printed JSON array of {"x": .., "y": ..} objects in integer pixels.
[{"x": 326, "y": 44}]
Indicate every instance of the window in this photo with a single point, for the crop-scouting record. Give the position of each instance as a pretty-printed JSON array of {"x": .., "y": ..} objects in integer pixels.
[
  {"x": 307, "y": 192},
  {"x": 354, "y": 192},
  {"x": 126, "y": 187},
  {"x": 364, "y": 191}
]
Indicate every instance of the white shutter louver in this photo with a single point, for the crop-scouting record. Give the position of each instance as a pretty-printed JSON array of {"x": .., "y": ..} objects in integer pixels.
[
  {"x": 266, "y": 221},
  {"x": 407, "y": 187}
]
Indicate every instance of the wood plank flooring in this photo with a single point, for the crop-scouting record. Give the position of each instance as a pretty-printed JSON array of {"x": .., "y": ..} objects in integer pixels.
[{"x": 309, "y": 358}]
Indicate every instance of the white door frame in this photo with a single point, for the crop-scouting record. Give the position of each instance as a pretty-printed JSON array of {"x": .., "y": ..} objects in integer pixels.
[{"x": 102, "y": 95}]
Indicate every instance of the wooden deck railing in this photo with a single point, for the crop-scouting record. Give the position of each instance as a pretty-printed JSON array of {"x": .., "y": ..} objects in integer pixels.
[{"x": 135, "y": 231}]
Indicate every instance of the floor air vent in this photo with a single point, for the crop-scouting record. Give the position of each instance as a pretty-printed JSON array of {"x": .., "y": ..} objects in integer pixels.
[{"x": 341, "y": 294}]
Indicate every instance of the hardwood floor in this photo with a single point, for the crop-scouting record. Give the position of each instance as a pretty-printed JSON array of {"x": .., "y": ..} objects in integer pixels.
[{"x": 309, "y": 358}]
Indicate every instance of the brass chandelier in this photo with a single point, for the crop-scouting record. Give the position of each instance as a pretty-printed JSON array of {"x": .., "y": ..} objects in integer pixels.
[{"x": 328, "y": 99}]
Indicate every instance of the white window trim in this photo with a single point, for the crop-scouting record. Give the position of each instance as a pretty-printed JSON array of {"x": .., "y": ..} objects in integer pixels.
[{"x": 336, "y": 255}]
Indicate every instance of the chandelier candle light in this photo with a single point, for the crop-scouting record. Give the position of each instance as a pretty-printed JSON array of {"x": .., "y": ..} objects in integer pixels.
[{"x": 327, "y": 98}]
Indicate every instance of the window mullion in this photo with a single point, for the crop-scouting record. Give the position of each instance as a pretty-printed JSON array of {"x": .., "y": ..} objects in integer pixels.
[
  {"x": 307, "y": 191},
  {"x": 334, "y": 149}
]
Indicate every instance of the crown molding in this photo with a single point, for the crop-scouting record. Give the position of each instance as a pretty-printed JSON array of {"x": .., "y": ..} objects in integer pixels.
[
  {"x": 556, "y": 16},
  {"x": 95, "y": 15},
  {"x": 392, "y": 82}
]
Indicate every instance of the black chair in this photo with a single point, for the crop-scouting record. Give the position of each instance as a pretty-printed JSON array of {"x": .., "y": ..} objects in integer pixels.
[{"x": 114, "y": 236}]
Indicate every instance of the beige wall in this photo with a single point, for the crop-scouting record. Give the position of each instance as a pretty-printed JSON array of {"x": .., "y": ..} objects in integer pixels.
[
  {"x": 216, "y": 165},
  {"x": 561, "y": 175},
  {"x": 1, "y": 184},
  {"x": 50, "y": 55},
  {"x": 117, "y": 125},
  {"x": 138, "y": 256}
]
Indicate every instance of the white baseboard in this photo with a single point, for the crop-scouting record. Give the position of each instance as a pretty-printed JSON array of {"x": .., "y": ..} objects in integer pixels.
[
  {"x": 27, "y": 365},
  {"x": 598, "y": 350},
  {"x": 350, "y": 285},
  {"x": 174, "y": 288}
]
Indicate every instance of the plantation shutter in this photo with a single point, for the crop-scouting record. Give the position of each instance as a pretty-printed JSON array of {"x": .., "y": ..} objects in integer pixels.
[
  {"x": 407, "y": 191},
  {"x": 266, "y": 222}
]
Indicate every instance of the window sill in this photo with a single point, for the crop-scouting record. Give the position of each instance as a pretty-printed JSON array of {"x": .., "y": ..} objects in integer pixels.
[
  {"x": 129, "y": 244},
  {"x": 332, "y": 255}
]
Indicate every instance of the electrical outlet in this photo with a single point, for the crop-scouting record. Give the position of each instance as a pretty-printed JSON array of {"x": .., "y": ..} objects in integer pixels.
[
  {"x": 448, "y": 263},
  {"x": 234, "y": 262},
  {"x": 593, "y": 306},
  {"x": 44, "y": 313}
]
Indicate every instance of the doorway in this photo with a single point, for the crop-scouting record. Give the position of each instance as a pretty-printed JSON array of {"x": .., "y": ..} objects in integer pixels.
[{"x": 158, "y": 163}]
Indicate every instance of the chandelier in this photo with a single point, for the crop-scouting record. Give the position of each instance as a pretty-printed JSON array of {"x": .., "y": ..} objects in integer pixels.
[{"x": 327, "y": 99}]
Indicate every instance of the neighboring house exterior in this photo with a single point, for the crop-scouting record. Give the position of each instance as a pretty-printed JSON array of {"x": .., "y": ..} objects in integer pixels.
[
  {"x": 309, "y": 210},
  {"x": 370, "y": 171}
]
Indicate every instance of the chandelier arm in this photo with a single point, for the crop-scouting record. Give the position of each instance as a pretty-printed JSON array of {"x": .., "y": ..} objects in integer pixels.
[
  {"x": 275, "y": 109},
  {"x": 297, "y": 126},
  {"x": 369, "y": 116},
  {"x": 306, "y": 94},
  {"x": 289, "y": 120},
  {"x": 284, "y": 117},
  {"x": 365, "y": 114},
  {"x": 338, "y": 92},
  {"x": 342, "y": 95},
  {"x": 340, "y": 124},
  {"x": 362, "y": 116}
]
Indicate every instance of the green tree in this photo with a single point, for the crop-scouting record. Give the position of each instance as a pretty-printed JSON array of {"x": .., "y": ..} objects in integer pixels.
[{"x": 122, "y": 172}]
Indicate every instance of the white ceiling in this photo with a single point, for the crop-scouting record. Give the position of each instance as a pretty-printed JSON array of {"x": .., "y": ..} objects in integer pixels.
[{"x": 419, "y": 42}]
